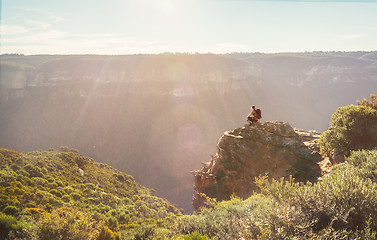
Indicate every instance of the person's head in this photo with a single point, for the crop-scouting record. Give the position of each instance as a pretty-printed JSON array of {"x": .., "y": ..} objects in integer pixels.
[{"x": 253, "y": 107}]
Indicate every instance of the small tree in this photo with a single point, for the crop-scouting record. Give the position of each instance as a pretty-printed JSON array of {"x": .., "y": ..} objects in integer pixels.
[
  {"x": 351, "y": 128},
  {"x": 372, "y": 103}
]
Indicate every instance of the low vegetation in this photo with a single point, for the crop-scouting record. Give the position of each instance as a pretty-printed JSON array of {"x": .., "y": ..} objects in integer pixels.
[
  {"x": 342, "y": 205},
  {"x": 60, "y": 194},
  {"x": 52, "y": 194}
]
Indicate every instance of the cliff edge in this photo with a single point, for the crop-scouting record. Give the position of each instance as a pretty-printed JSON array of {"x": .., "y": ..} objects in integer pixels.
[{"x": 274, "y": 149}]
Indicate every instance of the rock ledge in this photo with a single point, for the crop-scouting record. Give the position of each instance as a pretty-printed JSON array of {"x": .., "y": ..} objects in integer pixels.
[{"x": 274, "y": 149}]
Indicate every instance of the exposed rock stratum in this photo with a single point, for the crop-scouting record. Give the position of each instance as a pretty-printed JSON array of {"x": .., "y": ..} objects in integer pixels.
[{"x": 274, "y": 149}]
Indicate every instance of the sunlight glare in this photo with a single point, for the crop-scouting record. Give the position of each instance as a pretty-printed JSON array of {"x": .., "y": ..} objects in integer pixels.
[
  {"x": 183, "y": 94},
  {"x": 189, "y": 135}
]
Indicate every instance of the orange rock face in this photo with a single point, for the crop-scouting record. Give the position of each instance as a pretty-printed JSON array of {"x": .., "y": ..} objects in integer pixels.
[{"x": 274, "y": 149}]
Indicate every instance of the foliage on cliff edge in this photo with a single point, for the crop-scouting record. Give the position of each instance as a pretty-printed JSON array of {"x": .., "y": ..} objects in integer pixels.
[
  {"x": 342, "y": 205},
  {"x": 351, "y": 128}
]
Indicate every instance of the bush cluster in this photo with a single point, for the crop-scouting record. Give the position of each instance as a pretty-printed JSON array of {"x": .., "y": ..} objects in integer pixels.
[
  {"x": 342, "y": 205},
  {"x": 351, "y": 128},
  {"x": 48, "y": 188}
]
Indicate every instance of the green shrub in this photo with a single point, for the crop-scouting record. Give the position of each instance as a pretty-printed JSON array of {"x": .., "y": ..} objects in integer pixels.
[
  {"x": 7, "y": 175},
  {"x": 9, "y": 224},
  {"x": 68, "y": 189},
  {"x": 24, "y": 179},
  {"x": 11, "y": 210},
  {"x": 59, "y": 182},
  {"x": 124, "y": 218},
  {"x": 351, "y": 128},
  {"x": 15, "y": 167},
  {"x": 48, "y": 207},
  {"x": 365, "y": 163},
  {"x": 68, "y": 149},
  {"x": 103, "y": 208},
  {"x": 90, "y": 186},
  {"x": 50, "y": 179},
  {"x": 75, "y": 196},
  {"x": 223, "y": 221},
  {"x": 343, "y": 200},
  {"x": 112, "y": 222},
  {"x": 66, "y": 223},
  {"x": 23, "y": 173},
  {"x": 106, "y": 234},
  {"x": 98, "y": 216},
  {"x": 33, "y": 211},
  {"x": 34, "y": 171},
  {"x": 120, "y": 177},
  {"x": 56, "y": 193},
  {"x": 8, "y": 155},
  {"x": 192, "y": 236},
  {"x": 65, "y": 198},
  {"x": 40, "y": 182},
  {"x": 372, "y": 103},
  {"x": 80, "y": 161},
  {"x": 144, "y": 231}
]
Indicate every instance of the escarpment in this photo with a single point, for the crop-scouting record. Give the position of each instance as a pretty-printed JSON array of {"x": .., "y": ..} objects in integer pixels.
[{"x": 274, "y": 149}]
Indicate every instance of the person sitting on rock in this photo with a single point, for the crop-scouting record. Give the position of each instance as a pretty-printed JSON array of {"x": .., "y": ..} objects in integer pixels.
[{"x": 255, "y": 115}]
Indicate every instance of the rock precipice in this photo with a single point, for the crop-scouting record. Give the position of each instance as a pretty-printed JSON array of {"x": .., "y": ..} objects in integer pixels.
[{"x": 274, "y": 149}]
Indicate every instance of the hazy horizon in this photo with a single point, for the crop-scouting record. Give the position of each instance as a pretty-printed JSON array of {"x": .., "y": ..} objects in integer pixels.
[
  {"x": 187, "y": 53},
  {"x": 153, "y": 27}
]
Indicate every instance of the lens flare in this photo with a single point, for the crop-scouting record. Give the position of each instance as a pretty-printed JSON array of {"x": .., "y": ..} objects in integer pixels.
[{"x": 183, "y": 94}]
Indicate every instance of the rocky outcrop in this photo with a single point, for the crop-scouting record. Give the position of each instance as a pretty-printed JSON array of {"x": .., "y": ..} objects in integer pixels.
[{"x": 274, "y": 149}]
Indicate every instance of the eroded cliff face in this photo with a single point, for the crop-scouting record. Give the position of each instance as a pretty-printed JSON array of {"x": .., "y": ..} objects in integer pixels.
[{"x": 274, "y": 149}]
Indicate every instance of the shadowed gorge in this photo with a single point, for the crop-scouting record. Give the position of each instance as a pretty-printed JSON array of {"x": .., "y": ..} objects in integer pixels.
[{"x": 253, "y": 188}]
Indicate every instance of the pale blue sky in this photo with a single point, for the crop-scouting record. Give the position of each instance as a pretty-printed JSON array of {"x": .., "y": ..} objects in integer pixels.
[{"x": 156, "y": 26}]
